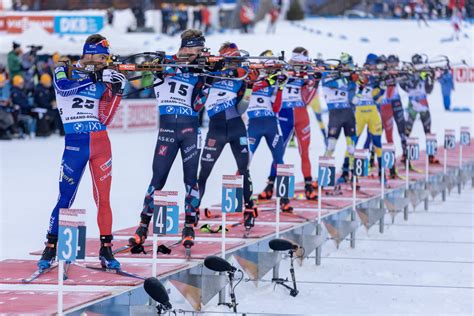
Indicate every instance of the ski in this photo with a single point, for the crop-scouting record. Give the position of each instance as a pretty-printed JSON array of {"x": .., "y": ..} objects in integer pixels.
[
  {"x": 116, "y": 271},
  {"x": 39, "y": 273}
]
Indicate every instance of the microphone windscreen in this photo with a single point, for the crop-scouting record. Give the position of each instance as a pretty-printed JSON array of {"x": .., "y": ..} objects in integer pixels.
[
  {"x": 218, "y": 264},
  {"x": 156, "y": 291},
  {"x": 281, "y": 245}
]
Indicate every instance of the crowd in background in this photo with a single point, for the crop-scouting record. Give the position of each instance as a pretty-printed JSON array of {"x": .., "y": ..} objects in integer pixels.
[{"x": 419, "y": 9}]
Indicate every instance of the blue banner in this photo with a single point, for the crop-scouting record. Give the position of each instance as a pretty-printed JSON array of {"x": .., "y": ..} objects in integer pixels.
[{"x": 78, "y": 24}]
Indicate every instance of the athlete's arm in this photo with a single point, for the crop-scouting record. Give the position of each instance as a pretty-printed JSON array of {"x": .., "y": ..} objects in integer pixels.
[
  {"x": 66, "y": 87},
  {"x": 108, "y": 105}
]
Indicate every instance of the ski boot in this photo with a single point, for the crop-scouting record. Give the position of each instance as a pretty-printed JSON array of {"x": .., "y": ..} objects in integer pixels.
[
  {"x": 267, "y": 193},
  {"x": 285, "y": 206},
  {"x": 106, "y": 256},
  {"x": 49, "y": 253},
  {"x": 433, "y": 160},
  {"x": 250, "y": 214},
  {"x": 136, "y": 242},
  {"x": 187, "y": 238},
  {"x": 310, "y": 192},
  {"x": 393, "y": 173}
]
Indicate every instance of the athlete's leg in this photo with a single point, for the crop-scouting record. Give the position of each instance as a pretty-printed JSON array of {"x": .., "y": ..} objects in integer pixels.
[
  {"x": 386, "y": 113},
  {"x": 239, "y": 145},
  {"x": 399, "y": 116},
  {"x": 74, "y": 160},
  {"x": 215, "y": 142},
  {"x": 165, "y": 152},
  {"x": 303, "y": 133},
  {"x": 286, "y": 120},
  {"x": 189, "y": 142},
  {"x": 410, "y": 119},
  {"x": 100, "y": 166}
]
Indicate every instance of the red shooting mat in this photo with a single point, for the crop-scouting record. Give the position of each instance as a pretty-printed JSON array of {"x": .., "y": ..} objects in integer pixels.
[
  {"x": 258, "y": 231},
  {"x": 200, "y": 250},
  {"x": 14, "y": 302},
  {"x": 12, "y": 271}
]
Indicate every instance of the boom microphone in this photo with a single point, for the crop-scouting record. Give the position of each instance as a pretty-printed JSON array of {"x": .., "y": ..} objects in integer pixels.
[
  {"x": 218, "y": 264},
  {"x": 157, "y": 292},
  {"x": 282, "y": 245}
]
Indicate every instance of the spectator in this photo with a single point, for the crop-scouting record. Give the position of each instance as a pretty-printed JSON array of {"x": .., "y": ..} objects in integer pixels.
[
  {"x": 19, "y": 99},
  {"x": 49, "y": 120},
  {"x": 6, "y": 117},
  {"x": 14, "y": 62},
  {"x": 274, "y": 13},
  {"x": 166, "y": 13},
  {"x": 183, "y": 17},
  {"x": 246, "y": 16},
  {"x": 447, "y": 86},
  {"x": 206, "y": 19},
  {"x": 110, "y": 16},
  {"x": 197, "y": 17}
]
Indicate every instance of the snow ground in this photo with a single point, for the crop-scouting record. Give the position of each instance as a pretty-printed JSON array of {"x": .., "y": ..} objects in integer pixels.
[{"x": 431, "y": 273}]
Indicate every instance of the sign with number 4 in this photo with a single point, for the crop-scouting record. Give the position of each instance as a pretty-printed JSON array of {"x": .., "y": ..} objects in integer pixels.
[
  {"x": 232, "y": 194},
  {"x": 431, "y": 145},
  {"x": 361, "y": 162},
  {"x": 413, "y": 149},
  {"x": 326, "y": 172},
  {"x": 285, "y": 181},
  {"x": 388, "y": 156},
  {"x": 465, "y": 136},
  {"x": 449, "y": 139},
  {"x": 71, "y": 234},
  {"x": 166, "y": 213}
]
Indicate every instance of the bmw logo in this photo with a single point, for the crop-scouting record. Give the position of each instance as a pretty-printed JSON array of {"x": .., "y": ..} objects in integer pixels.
[
  {"x": 169, "y": 109},
  {"x": 78, "y": 127}
]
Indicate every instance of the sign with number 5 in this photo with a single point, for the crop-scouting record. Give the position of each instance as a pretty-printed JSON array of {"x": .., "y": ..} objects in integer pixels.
[{"x": 232, "y": 193}]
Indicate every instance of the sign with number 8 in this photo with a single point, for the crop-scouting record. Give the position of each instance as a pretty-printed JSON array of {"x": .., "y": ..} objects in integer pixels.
[{"x": 361, "y": 163}]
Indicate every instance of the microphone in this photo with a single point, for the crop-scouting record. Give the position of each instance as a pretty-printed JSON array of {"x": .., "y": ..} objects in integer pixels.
[
  {"x": 282, "y": 245},
  {"x": 157, "y": 292},
  {"x": 218, "y": 264}
]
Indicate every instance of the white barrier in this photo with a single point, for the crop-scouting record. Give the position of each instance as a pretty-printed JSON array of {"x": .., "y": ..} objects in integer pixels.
[{"x": 136, "y": 115}]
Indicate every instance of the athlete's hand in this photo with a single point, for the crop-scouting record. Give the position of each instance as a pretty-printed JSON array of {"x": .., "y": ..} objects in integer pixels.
[{"x": 117, "y": 80}]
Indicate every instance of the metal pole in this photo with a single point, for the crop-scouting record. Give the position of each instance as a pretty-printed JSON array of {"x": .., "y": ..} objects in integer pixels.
[
  {"x": 354, "y": 197},
  {"x": 155, "y": 250},
  {"x": 60, "y": 287},
  {"x": 407, "y": 185},
  {"x": 382, "y": 200},
  {"x": 318, "y": 227},
  {"x": 277, "y": 228},
  {"x": 223, "y": 234}
]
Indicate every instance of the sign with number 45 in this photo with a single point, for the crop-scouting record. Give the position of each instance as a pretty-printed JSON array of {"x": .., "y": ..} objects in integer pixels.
[
  {"x": 71, "y": 235},
  {"x": 166, "y": 213}
]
